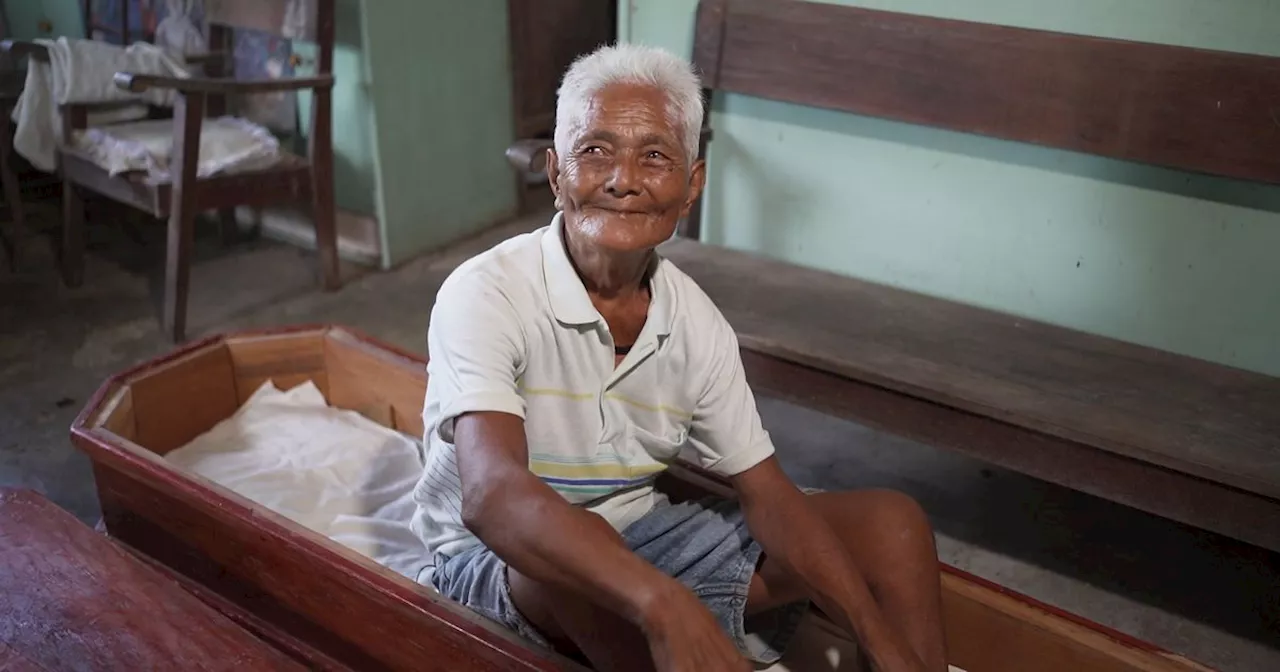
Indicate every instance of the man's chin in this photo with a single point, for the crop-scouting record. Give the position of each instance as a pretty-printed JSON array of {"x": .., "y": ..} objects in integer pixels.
[{"x": 621, "y": 232}]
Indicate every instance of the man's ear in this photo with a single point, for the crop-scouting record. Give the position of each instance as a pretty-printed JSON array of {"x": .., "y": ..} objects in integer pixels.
[
  {"x": 553, "y": 174},
  {"x": 697, "y": 181}
]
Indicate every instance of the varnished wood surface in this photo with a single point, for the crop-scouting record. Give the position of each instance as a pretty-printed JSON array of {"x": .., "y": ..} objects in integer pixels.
[
  {"x": 385, "y": 386},
  {"x": 285, "y": 359},
  {"x": 1193, "y": 109},
  {"x": 73, "y": 600},
  {"x": 307, "y": 588},
  {"x": 1188, "y": 415},
  {"x": 164, "y": 416},
  {"x": 990, "y": 631}
]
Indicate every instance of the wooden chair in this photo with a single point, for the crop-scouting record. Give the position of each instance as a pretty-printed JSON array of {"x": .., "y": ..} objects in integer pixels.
[{"x": 290, "y": 180}]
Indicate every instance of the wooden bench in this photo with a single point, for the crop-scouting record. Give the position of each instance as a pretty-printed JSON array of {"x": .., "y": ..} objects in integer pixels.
[{"x": 1179, "y": 437}]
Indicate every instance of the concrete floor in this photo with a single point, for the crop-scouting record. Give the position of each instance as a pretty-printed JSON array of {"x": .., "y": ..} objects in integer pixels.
[{"x": 1194, "y": 593}]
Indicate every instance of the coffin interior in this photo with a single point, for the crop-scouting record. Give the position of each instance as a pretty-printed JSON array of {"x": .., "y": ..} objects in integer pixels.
[{"x": 162, "y": 407}]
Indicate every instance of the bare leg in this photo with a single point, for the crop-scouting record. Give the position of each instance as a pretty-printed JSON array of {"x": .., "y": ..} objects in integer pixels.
[
  {"x": 606, "y": 639},
  {"x": 889, "y": 538}
]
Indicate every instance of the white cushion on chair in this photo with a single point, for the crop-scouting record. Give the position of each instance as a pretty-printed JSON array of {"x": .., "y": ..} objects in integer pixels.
[{"x": 227, "y": 145}]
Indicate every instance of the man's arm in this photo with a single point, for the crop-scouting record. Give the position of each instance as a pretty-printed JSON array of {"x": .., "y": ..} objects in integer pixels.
[
  {"x": 795, "y": 536},
  {"x": 546, "y": 539},
  {"x": 730, "y": 440},
  {"x": 542, "y": 536}
]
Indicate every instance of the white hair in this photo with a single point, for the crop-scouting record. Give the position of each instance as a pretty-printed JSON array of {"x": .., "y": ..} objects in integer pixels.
[{"x": 630, "y": 64}]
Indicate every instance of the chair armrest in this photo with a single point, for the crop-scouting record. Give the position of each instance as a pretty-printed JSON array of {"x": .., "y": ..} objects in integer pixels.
[
  {"x": 529, "y": 154},
  {"x": 21, "y": 48},
  {"x": 135, "y": 83}
]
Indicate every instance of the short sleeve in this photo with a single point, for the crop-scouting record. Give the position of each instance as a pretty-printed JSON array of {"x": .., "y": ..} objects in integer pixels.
[
  {"x": 475, "y": 346},
  {"x": 727, "y": 434}
]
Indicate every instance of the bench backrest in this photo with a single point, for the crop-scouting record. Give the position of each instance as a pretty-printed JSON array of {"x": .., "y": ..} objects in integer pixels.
[{"x": 1192, "y": 109}]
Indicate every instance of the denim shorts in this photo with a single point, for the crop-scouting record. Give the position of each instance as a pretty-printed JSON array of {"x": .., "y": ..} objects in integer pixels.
[{"x": 704, "y": 544}]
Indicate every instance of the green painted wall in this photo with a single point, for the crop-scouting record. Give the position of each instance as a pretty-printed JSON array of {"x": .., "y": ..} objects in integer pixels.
[
  {"x": 440, "y": 83},
  {"x": 25, "y": 15},
  {"x": 355, "y": 186},
  {"x": 1171, "y": 260}
]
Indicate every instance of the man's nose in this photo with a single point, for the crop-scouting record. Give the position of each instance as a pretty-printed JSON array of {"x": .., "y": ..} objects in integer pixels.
[{"x": 624, "y": 179}]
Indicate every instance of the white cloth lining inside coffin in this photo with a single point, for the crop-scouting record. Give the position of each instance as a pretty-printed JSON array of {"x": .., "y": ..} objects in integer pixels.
[
  {"x": 330, "y": 470},
  {"x": 350, "y": 479}
]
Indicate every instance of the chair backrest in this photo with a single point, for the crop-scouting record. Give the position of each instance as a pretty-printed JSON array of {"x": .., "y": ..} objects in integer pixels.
[
  {"x": 1192, "y": 109},
  {"x": 302, "y": 20},
  {"x": 118, "y": 32}
]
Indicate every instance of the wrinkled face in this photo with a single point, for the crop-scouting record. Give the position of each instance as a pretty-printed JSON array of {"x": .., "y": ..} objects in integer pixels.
[{"x": 626, "y": 182}]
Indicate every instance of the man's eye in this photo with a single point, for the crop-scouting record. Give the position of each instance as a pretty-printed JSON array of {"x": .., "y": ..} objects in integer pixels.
[
  {"x": 593, "y": 149},
  {"x": 656, "y": 155}
]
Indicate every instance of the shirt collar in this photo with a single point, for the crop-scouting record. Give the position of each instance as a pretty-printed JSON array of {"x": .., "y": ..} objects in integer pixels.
[{"x": 568, "y": 296}]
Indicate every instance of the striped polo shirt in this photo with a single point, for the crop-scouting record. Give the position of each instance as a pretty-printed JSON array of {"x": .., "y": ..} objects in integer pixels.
[{"x": 513, "y": 330}]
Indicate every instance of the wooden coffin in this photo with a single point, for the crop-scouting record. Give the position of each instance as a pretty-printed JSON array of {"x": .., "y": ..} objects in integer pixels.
[{"x": 339, "y": 609}]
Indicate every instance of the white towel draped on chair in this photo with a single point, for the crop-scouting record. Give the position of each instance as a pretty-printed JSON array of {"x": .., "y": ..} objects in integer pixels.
[{"x": 82, "y": 71}]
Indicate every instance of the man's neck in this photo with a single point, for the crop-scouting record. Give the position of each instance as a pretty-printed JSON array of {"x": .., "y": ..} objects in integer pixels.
[{"x": 610, "y": 276}]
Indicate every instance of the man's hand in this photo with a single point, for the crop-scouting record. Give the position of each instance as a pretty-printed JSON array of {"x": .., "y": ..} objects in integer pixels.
[{"x": 684, "y": 637}]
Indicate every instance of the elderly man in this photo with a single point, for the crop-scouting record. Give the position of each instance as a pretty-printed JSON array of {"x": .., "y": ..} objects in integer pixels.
[{"x": 570, "y": 365}]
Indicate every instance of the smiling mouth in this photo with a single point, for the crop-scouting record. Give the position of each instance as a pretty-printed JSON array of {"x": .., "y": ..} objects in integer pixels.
[{"x": 617, "y": 211}]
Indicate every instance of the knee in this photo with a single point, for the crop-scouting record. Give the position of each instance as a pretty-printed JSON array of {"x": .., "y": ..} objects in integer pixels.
[
  {"x": 538, "y": 603},
  {"x": 901, "y": 515},
  {"x": 889, "y": 518},
  {"x": 901, "y": 508}
]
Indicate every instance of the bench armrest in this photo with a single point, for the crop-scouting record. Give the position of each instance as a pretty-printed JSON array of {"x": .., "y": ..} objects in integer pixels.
[{"x": 135, "y": 83}]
